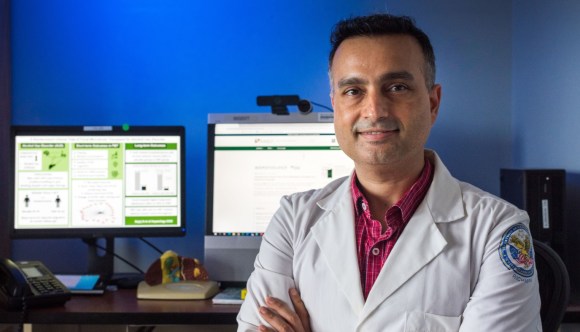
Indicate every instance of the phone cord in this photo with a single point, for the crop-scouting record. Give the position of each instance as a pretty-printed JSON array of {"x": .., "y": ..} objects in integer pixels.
[{"x": 23, "y": 314}]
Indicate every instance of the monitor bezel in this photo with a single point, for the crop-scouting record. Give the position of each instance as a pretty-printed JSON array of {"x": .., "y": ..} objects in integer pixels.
[{"x": 93, "y": 233}]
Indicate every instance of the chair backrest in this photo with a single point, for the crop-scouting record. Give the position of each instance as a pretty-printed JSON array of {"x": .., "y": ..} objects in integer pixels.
[{"x": 554, "y": 286}]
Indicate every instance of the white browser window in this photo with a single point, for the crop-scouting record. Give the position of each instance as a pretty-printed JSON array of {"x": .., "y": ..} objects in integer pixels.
[{"x": 256, "y": 164}]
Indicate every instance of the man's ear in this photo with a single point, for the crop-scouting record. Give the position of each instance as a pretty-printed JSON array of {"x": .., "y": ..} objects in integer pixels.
[{"x": 435, "y": 100}]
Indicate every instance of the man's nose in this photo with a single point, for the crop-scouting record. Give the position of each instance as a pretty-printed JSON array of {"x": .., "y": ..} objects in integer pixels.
[{"x": 375, "y": 107}]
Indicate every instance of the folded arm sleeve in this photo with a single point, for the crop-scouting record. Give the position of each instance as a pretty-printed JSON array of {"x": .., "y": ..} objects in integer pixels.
[{"x": 272, "y": 273}]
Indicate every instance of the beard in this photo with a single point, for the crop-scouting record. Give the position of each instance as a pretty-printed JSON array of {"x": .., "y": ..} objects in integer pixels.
[
  {"x": 396, "y": 148},
  {"x": 387, "y": 124}
]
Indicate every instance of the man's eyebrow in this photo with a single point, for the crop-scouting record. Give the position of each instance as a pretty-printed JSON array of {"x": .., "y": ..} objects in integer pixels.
[
  {"x": 390, "y": 76},
  {"x": 350, "y": 81},
  {"x": 397, "y": 75}
]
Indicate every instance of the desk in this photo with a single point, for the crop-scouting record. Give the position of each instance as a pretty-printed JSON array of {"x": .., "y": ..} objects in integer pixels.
[
  {"x": 572, "y": 314},
  {"x": 122, "y": 307}
]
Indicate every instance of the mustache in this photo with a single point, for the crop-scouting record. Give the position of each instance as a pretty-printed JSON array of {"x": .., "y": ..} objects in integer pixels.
[{"x": 380, "y": 124}]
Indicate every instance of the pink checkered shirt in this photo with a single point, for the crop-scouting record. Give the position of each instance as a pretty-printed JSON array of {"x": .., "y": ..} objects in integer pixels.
[{"x": 373, "y": 248}]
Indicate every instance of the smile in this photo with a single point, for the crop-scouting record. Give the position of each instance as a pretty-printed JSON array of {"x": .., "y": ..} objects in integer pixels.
[
  {"x": 378, "y": 135},
  {"x": 378, "y": 131},
  {"x": 374, "y": 132}
]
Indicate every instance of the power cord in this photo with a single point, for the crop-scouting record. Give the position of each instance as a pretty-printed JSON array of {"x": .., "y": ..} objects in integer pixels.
[
  {"x": 116, "y": 256},
  {"x": 323, "y": 106},
  {"x": 23, "y": 314},
  {"x": 151, "y": 245},
  {"x": 125, "y": 260}
]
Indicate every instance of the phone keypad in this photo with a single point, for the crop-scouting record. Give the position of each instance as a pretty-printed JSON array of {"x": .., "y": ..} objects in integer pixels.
[{"x": 46, "y": 286}]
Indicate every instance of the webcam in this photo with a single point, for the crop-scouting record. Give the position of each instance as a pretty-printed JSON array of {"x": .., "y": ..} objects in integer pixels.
[
  {"x": 304, "y": 106},
  {"x": 279, "y": 103}
]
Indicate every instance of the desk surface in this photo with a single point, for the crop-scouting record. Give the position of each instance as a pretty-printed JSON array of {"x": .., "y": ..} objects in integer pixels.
[
  {"x": 572, "y": 314},
  {"x": 122, "y": 307}
]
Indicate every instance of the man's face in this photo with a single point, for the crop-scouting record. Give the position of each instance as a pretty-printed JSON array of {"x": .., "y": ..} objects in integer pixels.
[{"x": 383, "y": 111}]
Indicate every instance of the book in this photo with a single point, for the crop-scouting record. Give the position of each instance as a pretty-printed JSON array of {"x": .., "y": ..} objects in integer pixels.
[
  {"x": 230, "y": 295},
  {"x": 82, "y": 283}
]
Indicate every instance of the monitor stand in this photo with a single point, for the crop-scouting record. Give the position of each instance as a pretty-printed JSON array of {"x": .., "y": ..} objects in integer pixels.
[{"x": 101, "y": 261}]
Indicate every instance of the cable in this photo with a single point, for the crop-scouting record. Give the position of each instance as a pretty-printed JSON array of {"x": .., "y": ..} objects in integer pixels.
[
  {"x": 320, "y": 105},
  {"x": 23, "y": 314},
  {"x": 151, "y": 245},
  {"x": 117, "y": 256},
  {"x": 123, "y": 259}
]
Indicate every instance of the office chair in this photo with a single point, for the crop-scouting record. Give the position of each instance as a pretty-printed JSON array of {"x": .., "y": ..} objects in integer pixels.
[{"x": 554, "y": 286}]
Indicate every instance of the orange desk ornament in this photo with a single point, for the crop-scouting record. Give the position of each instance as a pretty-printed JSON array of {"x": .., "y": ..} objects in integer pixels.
[{"x": 176, "y": 277}]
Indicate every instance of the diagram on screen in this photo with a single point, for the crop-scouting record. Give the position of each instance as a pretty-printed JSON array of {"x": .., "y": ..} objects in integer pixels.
[
  {"x": 54, "y": 158},
  {"x": 98, "y": 214},
  {"x": 151, "y": 179},
  {"x": 97, "y": 203},
  {"x": 42, "y": 207}
]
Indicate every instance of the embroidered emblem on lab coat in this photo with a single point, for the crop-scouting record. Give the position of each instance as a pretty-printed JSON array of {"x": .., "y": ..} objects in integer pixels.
[{"x": 516, "y": 250}]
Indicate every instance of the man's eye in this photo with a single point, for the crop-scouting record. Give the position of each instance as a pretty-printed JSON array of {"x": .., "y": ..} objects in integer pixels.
[
  {"x": 351, "y": 92},
  {"x": 398, "y": 87}
]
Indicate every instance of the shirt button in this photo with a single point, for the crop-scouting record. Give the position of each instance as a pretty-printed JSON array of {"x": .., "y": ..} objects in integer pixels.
[
  {"x": 364, "y": 206},
  {"x": 376, "y": 251}
]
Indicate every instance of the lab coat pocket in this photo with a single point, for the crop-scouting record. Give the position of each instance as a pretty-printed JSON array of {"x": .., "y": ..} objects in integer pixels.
[{"x": 426, "y": 322}]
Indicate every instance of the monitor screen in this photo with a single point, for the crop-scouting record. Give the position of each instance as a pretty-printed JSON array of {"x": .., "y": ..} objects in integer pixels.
[
  {"x": 91, "y": 182},
  {"x": 253, "y": 160}
]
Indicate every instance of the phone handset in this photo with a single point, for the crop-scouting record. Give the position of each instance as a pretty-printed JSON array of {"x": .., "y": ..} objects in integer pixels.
[
  {"x": 29, "y": 284},
  {"x": 14, "y": 283}
]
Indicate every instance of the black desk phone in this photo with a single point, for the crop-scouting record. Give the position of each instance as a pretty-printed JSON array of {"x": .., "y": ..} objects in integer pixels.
[{"x": 29, "y": 284}]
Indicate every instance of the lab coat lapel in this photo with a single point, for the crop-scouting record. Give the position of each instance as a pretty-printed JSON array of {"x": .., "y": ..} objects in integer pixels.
[
  {"x": 419, "y": 243},
  {"x": 335, "y": 234}
]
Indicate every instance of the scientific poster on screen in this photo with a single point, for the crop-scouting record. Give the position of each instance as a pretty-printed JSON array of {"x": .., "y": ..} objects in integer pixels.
[{"x": 93, "y": 182}]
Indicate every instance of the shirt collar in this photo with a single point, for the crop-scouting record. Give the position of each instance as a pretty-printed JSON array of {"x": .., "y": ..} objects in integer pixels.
[{"x": 410, "y": 200}]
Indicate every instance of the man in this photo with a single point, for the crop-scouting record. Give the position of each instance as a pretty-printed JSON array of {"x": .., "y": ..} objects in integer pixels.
[{"x": 400, "y": 245}]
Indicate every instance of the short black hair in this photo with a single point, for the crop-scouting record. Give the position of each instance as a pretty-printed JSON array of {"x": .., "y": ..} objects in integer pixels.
[{"x": 380, "y": 25}]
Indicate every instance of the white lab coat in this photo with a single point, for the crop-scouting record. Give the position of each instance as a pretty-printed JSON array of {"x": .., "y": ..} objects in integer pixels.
[{"x": 445, "y": 272}]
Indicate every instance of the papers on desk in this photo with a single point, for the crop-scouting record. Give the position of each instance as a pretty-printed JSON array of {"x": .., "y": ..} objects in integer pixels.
[
  {"x": 82, "y": 283},
  {"x": 230, "y": 295}
]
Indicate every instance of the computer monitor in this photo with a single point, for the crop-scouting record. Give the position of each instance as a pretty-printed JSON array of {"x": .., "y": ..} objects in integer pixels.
[
  {"x": 253, "y": 160},
  {"x": 97, "y": 182}
]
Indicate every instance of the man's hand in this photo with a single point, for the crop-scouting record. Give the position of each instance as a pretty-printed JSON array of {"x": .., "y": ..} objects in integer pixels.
[{"x": 282, "y": 317}]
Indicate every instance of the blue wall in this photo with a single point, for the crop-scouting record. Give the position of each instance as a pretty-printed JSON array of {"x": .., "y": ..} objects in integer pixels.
[
  {"x": 146, "y": 62},
  {"x": 546, "y": 100}
]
